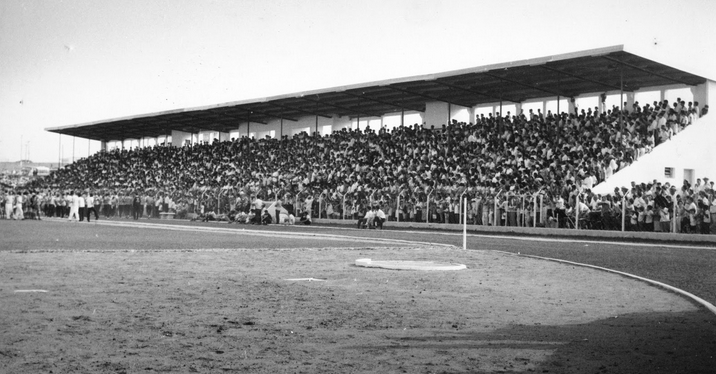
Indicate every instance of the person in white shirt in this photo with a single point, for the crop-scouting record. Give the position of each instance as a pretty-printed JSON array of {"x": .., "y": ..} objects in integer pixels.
[
  {"x": 379, "y": 218},
  {"x": 74, "y": 207},
  {"x": 18, "y": 207},
  {"x": 8, "y": 205},
  {"x": 90, "y": 207},
  {"x": 258, "y": 206},
  {"x": 369, "y": 218}
]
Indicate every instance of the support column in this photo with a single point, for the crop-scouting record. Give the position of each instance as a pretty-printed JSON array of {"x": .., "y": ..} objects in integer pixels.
[
  {"x": 449, "y": 115},
  {"x": 571, "y": 104},
  {"x": 518, "y": 109},
  {"x": 630, "y": 100},
  {"x": 103, "y": 146},
  {"x": 248, "y": 125},
  {"x": 705, "y": 94},
  {"x": 471, "y": 115}
]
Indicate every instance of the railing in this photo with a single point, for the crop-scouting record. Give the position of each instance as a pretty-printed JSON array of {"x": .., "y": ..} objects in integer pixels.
[{"x": 484, "y": 205}]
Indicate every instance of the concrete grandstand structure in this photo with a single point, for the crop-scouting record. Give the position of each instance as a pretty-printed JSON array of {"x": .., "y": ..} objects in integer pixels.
[{"x": 603, "y": 78}]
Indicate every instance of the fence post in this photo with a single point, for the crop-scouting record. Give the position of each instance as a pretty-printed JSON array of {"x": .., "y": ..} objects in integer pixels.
[
  {"x": 675, "y": 221},
  {"x": 576, "y": 211},
  {"x": 397, "y": 208},
  {"x": 464, "y": 223},
  {"x": 623, "y": 213},
  {"x": 534, "y": 210},
  {"x": 427, "y": 208}
]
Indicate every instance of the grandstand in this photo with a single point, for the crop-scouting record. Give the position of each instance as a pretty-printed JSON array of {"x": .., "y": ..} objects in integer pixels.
[{"x": 501, "y": 134}]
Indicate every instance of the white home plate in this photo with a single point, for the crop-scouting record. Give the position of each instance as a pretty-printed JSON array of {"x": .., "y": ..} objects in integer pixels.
[{"x": 408, "y": 265}]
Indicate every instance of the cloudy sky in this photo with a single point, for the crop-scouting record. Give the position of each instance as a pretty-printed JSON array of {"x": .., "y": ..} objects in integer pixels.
[{"x": 75, "y": 61}]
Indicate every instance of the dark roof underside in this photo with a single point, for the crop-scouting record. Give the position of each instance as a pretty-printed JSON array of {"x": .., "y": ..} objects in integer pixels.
[{"x": 569, "y": 75}]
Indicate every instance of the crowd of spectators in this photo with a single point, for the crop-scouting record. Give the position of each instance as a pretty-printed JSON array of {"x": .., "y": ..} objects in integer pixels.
[{"x": 412, "y": 173}]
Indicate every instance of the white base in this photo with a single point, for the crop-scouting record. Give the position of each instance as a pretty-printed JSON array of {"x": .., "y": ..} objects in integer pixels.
[{"x": 408, "y": 265}]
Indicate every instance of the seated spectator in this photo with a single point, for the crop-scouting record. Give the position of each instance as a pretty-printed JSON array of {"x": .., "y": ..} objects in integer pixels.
[
  {"x": 305, "y": 218},
  {"x": 286, "y": 219},
  {"x": 379, "y": 218},
  {"x": 266, "y": 218}
]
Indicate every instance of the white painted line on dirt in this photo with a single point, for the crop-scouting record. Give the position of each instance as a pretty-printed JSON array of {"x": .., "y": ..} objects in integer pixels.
[
  {"x": 308, "y": 279},
  {"x": 273, "y": 234},
  {"x": 687, "y": 294},
  {"x": 30, "y": 290},
  {"x": 532, "y": 238}
]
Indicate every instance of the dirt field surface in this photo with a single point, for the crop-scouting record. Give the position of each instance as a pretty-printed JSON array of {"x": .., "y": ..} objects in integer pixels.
[{"x": 125, "y": 299}]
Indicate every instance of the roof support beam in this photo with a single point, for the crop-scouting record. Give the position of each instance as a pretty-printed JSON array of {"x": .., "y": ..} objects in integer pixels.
[
  {"x": 350, "y": 110},
  {"x": 614, "y": 87},
  {"x": 526, "y": 85},
  {"x": 299, "y": 110},
  {"x": 363, "y": 96},
  {"x": 470, "y": 90},
  {"x": 427, "y": 96},
  {"x": 645, "y": 71},
  {"x": 272, "y": 115}
]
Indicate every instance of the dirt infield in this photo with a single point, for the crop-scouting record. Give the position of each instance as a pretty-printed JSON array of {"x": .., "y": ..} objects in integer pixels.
[{"x": 233, "y": 310}]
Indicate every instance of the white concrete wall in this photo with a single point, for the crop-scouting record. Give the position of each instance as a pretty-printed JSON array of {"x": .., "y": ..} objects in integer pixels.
[
  {"x": 435, "y": 114},
  {"x": 179, "y": 137},
  {"x": 690, "y": 149}
]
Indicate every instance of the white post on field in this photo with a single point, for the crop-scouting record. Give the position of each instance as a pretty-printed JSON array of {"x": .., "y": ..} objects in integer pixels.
[
  {"x": 534, "y": 211},
  {"x": 464, "y": 215},
  {"x": 464, "y": 224}
]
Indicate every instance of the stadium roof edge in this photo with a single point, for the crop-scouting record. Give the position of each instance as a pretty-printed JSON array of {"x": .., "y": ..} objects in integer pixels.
[{"x": 565, "y": 74}]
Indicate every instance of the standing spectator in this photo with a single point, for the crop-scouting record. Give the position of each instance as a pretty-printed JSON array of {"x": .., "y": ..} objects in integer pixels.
[
  {"x": 90, "y": 207},
  {"x": 136, "y": 206},
  {"x": 149, "y": 204},
  {"x": 74, "y": 207},
  {"x": 649, "y": 219},
  {"x": 692, "y": 211},
  {"x": 81, "y": 206},
  {"x": 8, "y": 205},
  {"x": 665, "y": 220},
  {"x": 258, "y": 206},
  {"x": 18, "y": 207}
]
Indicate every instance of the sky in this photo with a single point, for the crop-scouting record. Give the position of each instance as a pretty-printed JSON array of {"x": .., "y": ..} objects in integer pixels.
[{"x": 71, "y": 62}]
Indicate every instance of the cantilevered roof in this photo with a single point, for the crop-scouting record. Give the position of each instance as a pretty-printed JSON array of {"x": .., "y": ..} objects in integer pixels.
[{"x": 566, "y": 75}]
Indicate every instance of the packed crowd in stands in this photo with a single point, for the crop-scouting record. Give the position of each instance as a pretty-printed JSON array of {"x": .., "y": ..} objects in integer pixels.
[{"x": 531, "y": 169}]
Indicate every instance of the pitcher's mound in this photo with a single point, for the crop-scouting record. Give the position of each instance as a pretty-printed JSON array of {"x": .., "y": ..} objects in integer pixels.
[{"x": 409, "y": 265}]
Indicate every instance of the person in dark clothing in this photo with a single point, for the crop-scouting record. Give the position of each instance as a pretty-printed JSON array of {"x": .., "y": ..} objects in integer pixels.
[{"x": 136, "y": 206}]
